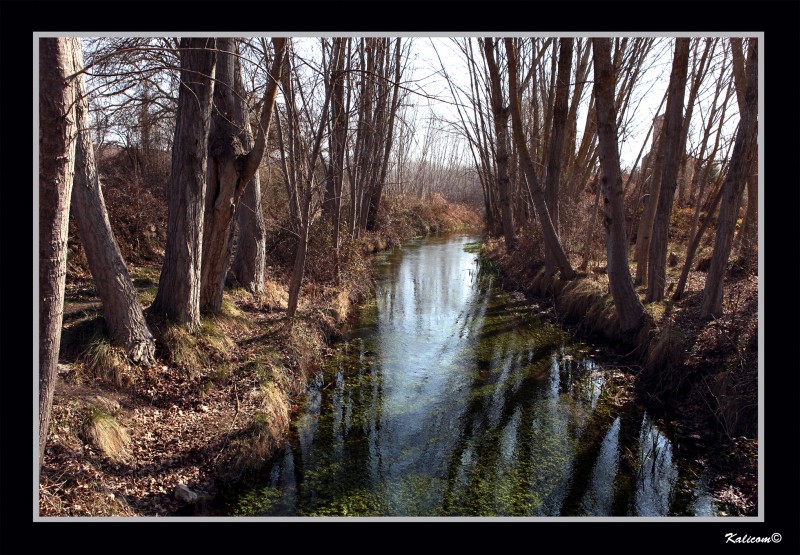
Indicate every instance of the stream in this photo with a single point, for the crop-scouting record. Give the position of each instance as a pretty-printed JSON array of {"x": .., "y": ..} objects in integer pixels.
[{"x": 451, "y": 397}]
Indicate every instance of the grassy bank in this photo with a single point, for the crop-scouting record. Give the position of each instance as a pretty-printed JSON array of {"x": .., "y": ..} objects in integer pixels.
[
  {"x": 700, "y": 375},
  {"x": 125, "y": 440}
]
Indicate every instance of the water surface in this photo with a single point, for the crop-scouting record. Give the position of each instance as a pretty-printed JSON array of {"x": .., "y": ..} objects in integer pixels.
[{"x": 450, "y": 397}]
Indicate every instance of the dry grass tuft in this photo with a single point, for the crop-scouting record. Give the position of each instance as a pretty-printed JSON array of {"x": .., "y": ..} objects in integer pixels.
[
  {"x": 257, "y": 442},
  {"x": 104, "y": 432},
  {"x": 108, "y": 362},
  {"x": 341, "y": 305},
  {"x": 275, "y": 296},
  {"x": 182, "y": 347},
  {"x": 663, "y": 356},
  {"x": 602, "y": 318},
  {"x": 577, "y": 297}
]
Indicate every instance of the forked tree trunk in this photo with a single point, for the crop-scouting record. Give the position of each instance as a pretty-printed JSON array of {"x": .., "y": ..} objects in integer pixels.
[
  {"x": 121, "y": 308},
  {"x": 57, "y": 130},
  {"x": 743, "y": 149},
  {"x": 551, "y": 241},
  {"x": 178, "y": 296},
  {"x": 231, "y": 165},
  {"x": 375, "y": 201},
  {"x": 657, "y": 256},
  {"x": 626, "y": 301},
  {"x": 557, "y": 136}
]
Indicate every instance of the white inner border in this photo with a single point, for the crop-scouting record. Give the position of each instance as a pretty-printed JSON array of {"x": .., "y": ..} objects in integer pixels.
[{"x": 761, "y": 206}]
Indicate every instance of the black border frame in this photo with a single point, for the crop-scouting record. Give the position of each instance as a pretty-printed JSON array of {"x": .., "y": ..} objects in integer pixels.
[{"x": 780, "y": 22}]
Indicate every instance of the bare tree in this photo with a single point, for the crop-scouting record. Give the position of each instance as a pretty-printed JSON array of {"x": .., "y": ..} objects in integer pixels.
[
  {"x": 747, "y": 239},
  {"x": 700, "y": 69},
  {"x": 121, "y": 308},
  {"x": 551, "y": 241},
  {"x": 500, "y": 117},
  {"x": 306, "y": 179},
  {"x": 626, "y": 301},
  {"x": 557, "y": 136},
  {"x": 230, "y": 165},
  {"x": 657, "y": 257},
  {"x": 340, "y": 63},
  {"x": 701, "y": 178},
  {"x": 57, "y": 132},
  {"x": 743, "y": 150},
  {"x": 178, "y": 295},
  {"x": 377, "y": 191}
]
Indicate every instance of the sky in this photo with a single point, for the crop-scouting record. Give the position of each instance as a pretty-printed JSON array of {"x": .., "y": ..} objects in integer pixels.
[
  {"x": 647, "y": 95},
  {"x": 436, "y": 100}
]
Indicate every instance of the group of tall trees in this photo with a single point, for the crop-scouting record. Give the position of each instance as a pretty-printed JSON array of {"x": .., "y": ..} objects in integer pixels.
[
  {"x": 537, "y": 134},
  {"x": 520, "y": 122},
  {"x": 348, "y": 102}
]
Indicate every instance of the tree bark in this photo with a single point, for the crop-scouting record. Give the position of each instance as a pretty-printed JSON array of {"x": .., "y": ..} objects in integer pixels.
[
  {"x": 57, "y": 130},
  {"x": 747, "y": 239},
  {"x": 657, "y": 257},
  {"x": 626, "y": 301},
  {"x": 500, "y": 117},
  {"x": 651, "y": 191},
  {"x": 556, "y": 151},
  {"x": 178, "y": 296},
  {"x": 551, "y": 241},
  {"x": 249, "y": 262},
  {"x": 231, "y": 165},
  {"x": 743, "y": 149},
  {"x": 121, "y": 308},
  {"x": 381, "y": 182}
]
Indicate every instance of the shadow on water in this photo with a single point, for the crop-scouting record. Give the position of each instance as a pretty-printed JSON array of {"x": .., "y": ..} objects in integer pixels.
[{"x": 449, "y": 397}]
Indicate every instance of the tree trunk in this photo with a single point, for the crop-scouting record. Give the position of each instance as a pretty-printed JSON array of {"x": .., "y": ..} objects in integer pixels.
[
  {"x": 657, "y": 257},
  {"x": 748, "y": 234},
  {"x": 332, "y": 207},
  {"x": 500, "y": 117},
  {"x": 57, "y": 130},
  {"x": 556, "y": 151},
  {"x": 626, "y": 301},
  {"x": 250, "y": 260},
  {"x": 551, "y": 241},
  {"x": 693, "y": 246},
  {"x": 743, "y": 149},
  {"x": 121, "y": 308},
  {"x": 698, "y": 76},
  {"x": 231, "y": 166},
  {"x": 376, "y": 198},
  {"x": 650, "y": 191},
  {"x": 747, "y": 239},
  {"x": 305, "y": 209},
  {"x": 178, "y": 296}
]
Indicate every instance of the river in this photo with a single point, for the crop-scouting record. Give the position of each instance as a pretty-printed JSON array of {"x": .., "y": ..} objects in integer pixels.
[{"x": 451, "y": 397}]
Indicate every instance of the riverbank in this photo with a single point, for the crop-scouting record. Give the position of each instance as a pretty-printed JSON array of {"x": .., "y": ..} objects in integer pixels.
[
  {"x": 130, "y": 441},
  {"x": 702, "y": 376},
  {"x": 453, "y": 397}
]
